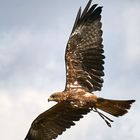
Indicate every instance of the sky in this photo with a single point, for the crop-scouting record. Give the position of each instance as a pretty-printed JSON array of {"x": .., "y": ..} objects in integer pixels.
[{"x": 33, "y": 36}]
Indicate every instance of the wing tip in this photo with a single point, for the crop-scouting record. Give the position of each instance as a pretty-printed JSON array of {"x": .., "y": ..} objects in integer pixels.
[{"x": 89, "y": 11}]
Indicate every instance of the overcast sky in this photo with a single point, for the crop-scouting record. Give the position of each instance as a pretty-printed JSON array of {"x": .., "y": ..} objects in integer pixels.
[{"x": 33, "y": 36}]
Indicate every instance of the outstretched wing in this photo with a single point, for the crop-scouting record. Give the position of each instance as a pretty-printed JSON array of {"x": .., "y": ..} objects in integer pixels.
[
  {"x": 55, "y": 121},
  {"x": 84, "y": 51}
]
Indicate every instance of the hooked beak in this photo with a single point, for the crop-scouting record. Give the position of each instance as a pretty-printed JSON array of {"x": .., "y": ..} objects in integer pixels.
[{"x": 50, "y": 99}]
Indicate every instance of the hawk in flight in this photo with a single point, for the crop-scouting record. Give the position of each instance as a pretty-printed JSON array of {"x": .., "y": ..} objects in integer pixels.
[{"x": 84, "y": 71}]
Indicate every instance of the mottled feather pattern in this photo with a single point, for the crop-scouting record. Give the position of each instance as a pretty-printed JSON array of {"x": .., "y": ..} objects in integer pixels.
[{"x": 84, "y": 53}]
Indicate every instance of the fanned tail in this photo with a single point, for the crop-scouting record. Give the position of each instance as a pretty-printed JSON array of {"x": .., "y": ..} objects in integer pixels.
[{"x": 114, "y": 107}]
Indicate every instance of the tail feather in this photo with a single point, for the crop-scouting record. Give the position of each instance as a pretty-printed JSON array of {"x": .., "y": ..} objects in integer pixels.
[{"x": 114, "y": 107}]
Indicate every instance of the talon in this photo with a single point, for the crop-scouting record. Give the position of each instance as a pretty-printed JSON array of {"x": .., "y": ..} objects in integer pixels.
[{"x": 105, "y": 118}]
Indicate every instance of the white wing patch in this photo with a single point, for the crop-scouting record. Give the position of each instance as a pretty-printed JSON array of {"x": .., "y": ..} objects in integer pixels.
[{"x": 74, "y": 85}]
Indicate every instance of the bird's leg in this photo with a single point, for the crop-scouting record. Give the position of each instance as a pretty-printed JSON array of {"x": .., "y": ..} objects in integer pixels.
[{"x": 105, "y": 118}]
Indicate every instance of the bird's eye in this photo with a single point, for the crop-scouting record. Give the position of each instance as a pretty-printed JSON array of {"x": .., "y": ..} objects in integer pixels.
[{"x": 52, "y": 96}]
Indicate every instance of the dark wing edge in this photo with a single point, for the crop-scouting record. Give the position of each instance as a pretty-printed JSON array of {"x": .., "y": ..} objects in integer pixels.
[
  {"x": 89, "y": 57},
  {"x": 86, "y": 12},
  {"x": 80, "y": 16},
  {"x": 55, "y": 121}
]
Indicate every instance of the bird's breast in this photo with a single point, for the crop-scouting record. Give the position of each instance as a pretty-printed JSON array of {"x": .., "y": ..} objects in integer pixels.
[{"x": 85, "y": 100}]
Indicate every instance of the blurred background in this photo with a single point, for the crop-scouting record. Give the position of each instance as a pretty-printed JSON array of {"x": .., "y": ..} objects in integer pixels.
[{"x": 33, "y": 36}]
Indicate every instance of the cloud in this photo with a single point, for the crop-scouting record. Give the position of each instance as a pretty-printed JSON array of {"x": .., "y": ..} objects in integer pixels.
[
  {"x": 23, "y": 58},
  {"x": 132, "y": 33},
  {"x": 16, "y": 112}
]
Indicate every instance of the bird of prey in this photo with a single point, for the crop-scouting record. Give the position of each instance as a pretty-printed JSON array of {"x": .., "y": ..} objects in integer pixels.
[{"x": 84, "y": 60}]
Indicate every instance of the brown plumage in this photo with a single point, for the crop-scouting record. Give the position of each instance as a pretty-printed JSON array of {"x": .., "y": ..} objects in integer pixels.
[
  {"x": 53, "y": 122},
  {"x": 84, "y": 71},
  {"x": 114, "y": 107}
]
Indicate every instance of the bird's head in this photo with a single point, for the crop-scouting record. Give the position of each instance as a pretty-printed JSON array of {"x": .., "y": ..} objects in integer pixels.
[{"x": 57, "y": 97}]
